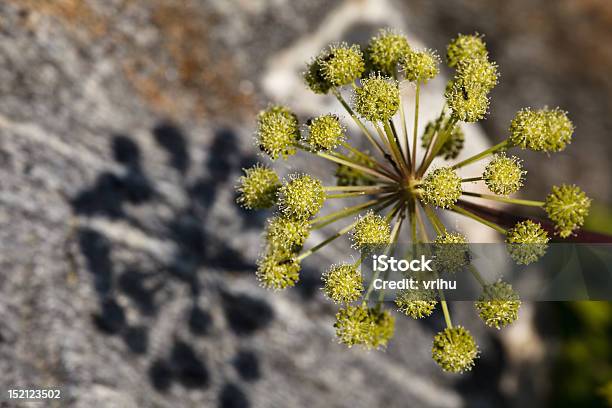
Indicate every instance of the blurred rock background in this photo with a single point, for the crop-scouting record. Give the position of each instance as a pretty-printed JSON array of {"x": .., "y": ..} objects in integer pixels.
[{"x": 127, "y": 271}]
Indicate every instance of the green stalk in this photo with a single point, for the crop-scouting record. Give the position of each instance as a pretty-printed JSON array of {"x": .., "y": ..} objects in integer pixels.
[
  {"x": 477, "y": 275},
  {"x": 435, "y": 220},
  {"x": 356, "y": 166},
  {"x": 368, "y": 158},
  {"x": 500, "y": 146},
  {"x": 354, "y": 193},
  {"x": 355, "y": 188},
  {"x": 447, "y": 317},
  {"x": 405, "y": 132},
  {"x": 396, "y": 149},
  {"x": 394, "y": 235},
  {"x": 481, "y": 220},
  {"x": 518, "y": 201},
  {"x": 416, "y": 123},
  {"x": 392, "y": 240},
  {"x": 325, "y": 220},
  {"x": 325, "y": 242}
]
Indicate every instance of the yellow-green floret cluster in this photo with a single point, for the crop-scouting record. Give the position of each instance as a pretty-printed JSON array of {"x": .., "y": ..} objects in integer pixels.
[
  {"x": 277, "y": 132},
  {"x": 504, "y": 175},
  {"x": 465, "y": 47},
  {"x": 546, "y": 130},
  {"x": 287, "y": 234},
  {"x": 258, "y": 188},
  {"x": 378, "y": 98},
  {"x": 343, "y": 283},
  {"x": 385, "y": 51},
  {"x": 442, "y": 187},
  {"x": 421, "y": 66},
  {"x": 416, "y": 303},
  {"x": 498, "y": 305},
  {"x": 370, "y": 231},
  {"x": 527, "y": 242},
  {"x": 313, "y": 76},
  {"x": 475, "y": 76},
  {"x": 343, "y": 65},
  {"x": 452, "y": 252},
  {"x": 325, "y": 132},
  {"x": 370, "y": 328},
  {"x": 454, "y": 349},
  {"x": 567, "y": 206},
  {"x": 276, "y": 270},
  {"x": 301, "y": 196}
]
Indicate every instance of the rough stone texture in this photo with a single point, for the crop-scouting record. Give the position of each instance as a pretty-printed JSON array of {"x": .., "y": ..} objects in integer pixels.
[{"x": 127, "y": 272}]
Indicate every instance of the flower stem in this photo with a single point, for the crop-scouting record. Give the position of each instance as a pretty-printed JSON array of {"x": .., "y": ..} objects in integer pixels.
[
  {"x": 416, "y": 123},
  {"x": 325, "y": 242},
  {"x": 353, "y": 165},
  {"x": 502, "y": 199},
  {"x": 447, "y": 317},
  {"x": 481, "y": 220},
  {"x": 405, "y": 132},
  {"x": 500, "y": 146},
  {"x": 395, "y": 148},
  {"x": 321, "y": 222},
  {"x": 355, "y": 188},
  {"x": 393, "y": 239},
  {"x": 477, "y": 275},
  {"x": 368, "y": 158},
  {"x": 356, "y": 193},
  {"x": 435, "y": 220}
]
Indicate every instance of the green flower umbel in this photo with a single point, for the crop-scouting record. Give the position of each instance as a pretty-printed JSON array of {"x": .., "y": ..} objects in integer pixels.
[
  {"x": 326, "y": 132},
  {"x": 343, "y": 283},
  {"x": 465, "y": 47},
  {"x": 454, "y": 349},
  {"x": 567, "y": 206},
  {"x": 344, "y": 64},
  {"x": 277, "y": 271},
  {"x": 287, "y": 234},
  {"x": 416, "y": 303},
  {"x": 371, "y": 230},
  {"x": 367, "y": 327},
  {"x": 386, "y": 50},
  {"x": 547, "y": 130},
  {"x": 452, "y": 252},
  {"x": 477, "y": 75},
  {"x": 499, "y": 304},
  {"x": 277, "y": 132},
  {"x": 467, "y": 94},
  {"x": 466, "y": 105},
  {"x": 378, "y": 98},
  {"x": 301, "y": 196},
  {"x": 258, "y": 187},
  {"x": 442, "y": 187},
  {"x": 314, "y": 77},
  {"x": 526, "y": 242},
  {"x": 504, "y": 175},
  {"x": 421, "y": 66}
]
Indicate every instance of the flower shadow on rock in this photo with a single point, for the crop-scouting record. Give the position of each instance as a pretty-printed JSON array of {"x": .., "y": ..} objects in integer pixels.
[{"x": 143, "y": 289}]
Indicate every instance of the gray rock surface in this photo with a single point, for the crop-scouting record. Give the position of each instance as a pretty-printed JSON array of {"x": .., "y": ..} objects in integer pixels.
[{"x": 127, "y": 271}]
